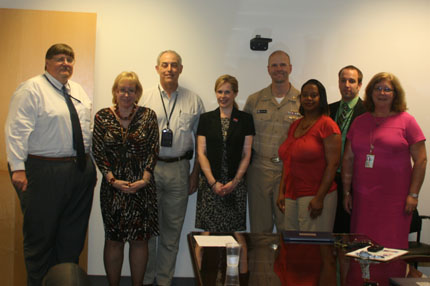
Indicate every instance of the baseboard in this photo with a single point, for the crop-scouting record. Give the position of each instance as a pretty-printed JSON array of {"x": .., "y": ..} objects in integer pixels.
[{"x": 101, "y": 280}]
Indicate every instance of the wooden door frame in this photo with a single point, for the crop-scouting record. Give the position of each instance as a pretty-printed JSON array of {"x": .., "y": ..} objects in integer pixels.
[{"x": 26, "y": 35}]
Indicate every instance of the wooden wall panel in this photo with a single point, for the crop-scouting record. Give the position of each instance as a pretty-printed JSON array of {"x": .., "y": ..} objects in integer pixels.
[{"x": 25, "y": 36}]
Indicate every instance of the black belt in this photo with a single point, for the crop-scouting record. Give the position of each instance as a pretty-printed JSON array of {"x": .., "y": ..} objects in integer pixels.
[
  {"x": 188, "y": 155},
  {"x": 73, "y": 158}
]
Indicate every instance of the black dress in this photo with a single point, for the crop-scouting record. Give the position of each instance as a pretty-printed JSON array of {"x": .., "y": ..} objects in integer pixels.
[
  {"x": 228, "y": 213},
  {"x": 127, "y": 153}
]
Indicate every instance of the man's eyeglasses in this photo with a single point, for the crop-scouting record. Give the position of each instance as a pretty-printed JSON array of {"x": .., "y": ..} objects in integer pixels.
[{"x": 68, "y": 59}]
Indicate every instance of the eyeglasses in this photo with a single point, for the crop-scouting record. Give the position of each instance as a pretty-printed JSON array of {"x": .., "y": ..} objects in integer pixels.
[
  {"x": 61, "y": 59},
  {"x": 123, "y": 91},
  {"x": 383, "y": 89}
]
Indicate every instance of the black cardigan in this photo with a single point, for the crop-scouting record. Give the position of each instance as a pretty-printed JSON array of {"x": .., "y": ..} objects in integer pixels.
[{"x": 241, "y": 125}]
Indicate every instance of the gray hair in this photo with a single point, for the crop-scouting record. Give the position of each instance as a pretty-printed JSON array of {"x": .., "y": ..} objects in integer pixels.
[{"x": 169, "y": 51}]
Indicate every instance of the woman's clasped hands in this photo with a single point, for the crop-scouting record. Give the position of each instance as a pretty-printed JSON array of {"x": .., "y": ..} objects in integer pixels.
[
  {"x": 128, "y": 187},
  {"x": 224, "y": 189}
]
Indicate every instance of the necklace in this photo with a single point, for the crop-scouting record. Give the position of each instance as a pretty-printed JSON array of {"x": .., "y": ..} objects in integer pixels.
[
  {"x": 125, "y": 117},
  {"x": 304, "y": 127},
  {"x": 379, "y": 120}
]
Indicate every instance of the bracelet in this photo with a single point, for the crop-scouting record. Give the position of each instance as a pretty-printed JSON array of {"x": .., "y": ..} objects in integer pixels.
[
  {"x": 112, "y": 180},
  {"x": 213, "y": 184},
  {"x": 346, "y": 194},
  {"x": 415, "y": 196}
]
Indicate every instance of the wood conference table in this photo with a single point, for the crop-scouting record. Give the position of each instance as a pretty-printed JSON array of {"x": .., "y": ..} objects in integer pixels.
[{"x": 266, "y": 259}]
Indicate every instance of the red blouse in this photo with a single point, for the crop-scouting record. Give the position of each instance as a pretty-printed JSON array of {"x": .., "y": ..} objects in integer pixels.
[{"x": 304, "y": 158}]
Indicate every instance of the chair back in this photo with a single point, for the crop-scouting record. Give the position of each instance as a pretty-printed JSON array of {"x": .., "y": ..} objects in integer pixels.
[
  {"x": 416, "y": 223},
  {"x": 66, "y": 274}
]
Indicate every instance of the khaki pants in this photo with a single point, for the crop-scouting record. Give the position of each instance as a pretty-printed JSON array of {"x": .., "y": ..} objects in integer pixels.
[
  {"x": 171, "y": 180},
  {"x": 297, "y": 215},
  {"x": 263, "y": 178}
]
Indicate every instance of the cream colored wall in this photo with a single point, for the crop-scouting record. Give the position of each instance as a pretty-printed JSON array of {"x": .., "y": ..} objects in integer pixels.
[
  {"x": 213, "y": 38},
  {"x": 25, "y": 36}
]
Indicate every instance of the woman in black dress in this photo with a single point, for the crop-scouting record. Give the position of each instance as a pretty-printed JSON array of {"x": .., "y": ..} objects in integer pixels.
[
  {"x": 224, "y": 140},
  {"x": 125, "y": 148}
]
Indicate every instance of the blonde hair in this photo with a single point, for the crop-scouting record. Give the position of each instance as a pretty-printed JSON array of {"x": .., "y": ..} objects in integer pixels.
[
  {"x": 131, "y": 76},
  {"x": 233, "y": 83}
]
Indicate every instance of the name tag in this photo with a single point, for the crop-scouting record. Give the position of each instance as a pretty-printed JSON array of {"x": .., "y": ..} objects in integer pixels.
[
  {"x": 261, "y": 111},
  {"x": 370, "y": 159}
]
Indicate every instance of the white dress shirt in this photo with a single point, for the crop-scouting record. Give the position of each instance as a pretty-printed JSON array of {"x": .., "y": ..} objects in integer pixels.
[
  {"x": 39, "y": 122},
  {"x": 184, "y": 120}
]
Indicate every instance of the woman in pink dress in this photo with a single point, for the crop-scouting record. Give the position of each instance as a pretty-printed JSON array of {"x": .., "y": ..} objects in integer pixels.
[{"x": 377, "y": 160}]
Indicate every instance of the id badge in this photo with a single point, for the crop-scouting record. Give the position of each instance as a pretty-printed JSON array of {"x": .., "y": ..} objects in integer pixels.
[
  {"x": 370, "y": 159},
  {"x": 166, "y": 137}
]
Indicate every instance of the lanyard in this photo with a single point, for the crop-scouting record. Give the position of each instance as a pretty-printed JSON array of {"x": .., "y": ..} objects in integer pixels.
[
  {"x": 373, "y": 132},
  {"x": 164, "y": 106},
  {"x": 59, "y": 90}
]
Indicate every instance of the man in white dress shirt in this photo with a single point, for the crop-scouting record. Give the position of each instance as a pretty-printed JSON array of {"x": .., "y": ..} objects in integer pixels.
[
  {"x": 178, "y": 110},
  {"x": 48, "y": 138}
]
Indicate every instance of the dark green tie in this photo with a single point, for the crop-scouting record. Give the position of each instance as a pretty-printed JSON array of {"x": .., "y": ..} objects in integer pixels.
[{"x": 343, "y": 115}]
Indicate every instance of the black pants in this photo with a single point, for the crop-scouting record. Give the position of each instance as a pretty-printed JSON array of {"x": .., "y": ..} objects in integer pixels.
[
  {"x": 56, "y": 208},
  {"x": 342, "y": 220}
]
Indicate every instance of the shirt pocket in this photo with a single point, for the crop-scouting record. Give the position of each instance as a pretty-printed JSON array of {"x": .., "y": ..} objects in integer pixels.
[
  {"x": 260, "y": 116},
  {"x": 186, "y": 121},
  {"x": 262, "y": 120}
]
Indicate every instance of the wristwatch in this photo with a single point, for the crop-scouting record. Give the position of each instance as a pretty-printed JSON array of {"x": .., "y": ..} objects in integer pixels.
[{"x": 415, "y": 196}]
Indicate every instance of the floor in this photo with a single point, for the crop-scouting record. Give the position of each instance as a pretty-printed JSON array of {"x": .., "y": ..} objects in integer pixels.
[{"x": 126, "y": 281}]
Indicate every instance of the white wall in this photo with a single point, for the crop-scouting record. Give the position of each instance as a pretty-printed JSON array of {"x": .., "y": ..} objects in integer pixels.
[{"x": 213, "y": 38}]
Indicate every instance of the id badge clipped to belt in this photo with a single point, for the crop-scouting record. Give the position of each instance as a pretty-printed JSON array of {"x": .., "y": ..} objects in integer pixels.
[{"x": 166, "y": 137}]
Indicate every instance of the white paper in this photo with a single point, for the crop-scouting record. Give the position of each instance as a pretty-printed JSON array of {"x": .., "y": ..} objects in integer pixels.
[
  {"x": 385, "y": 254},
  {"x": 214, "y": 240}
]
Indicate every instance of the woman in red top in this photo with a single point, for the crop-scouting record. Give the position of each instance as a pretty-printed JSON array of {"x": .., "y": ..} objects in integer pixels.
[{"x": 310, "y": 155}]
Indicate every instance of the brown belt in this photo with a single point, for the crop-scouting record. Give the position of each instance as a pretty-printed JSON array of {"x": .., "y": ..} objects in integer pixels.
[{"x": 74, "y": 158}]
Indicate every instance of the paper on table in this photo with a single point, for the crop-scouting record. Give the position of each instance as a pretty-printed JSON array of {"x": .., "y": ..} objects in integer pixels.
[
  {"x": 385, "y": 254},
  {"x": 214, "y": 240}
]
